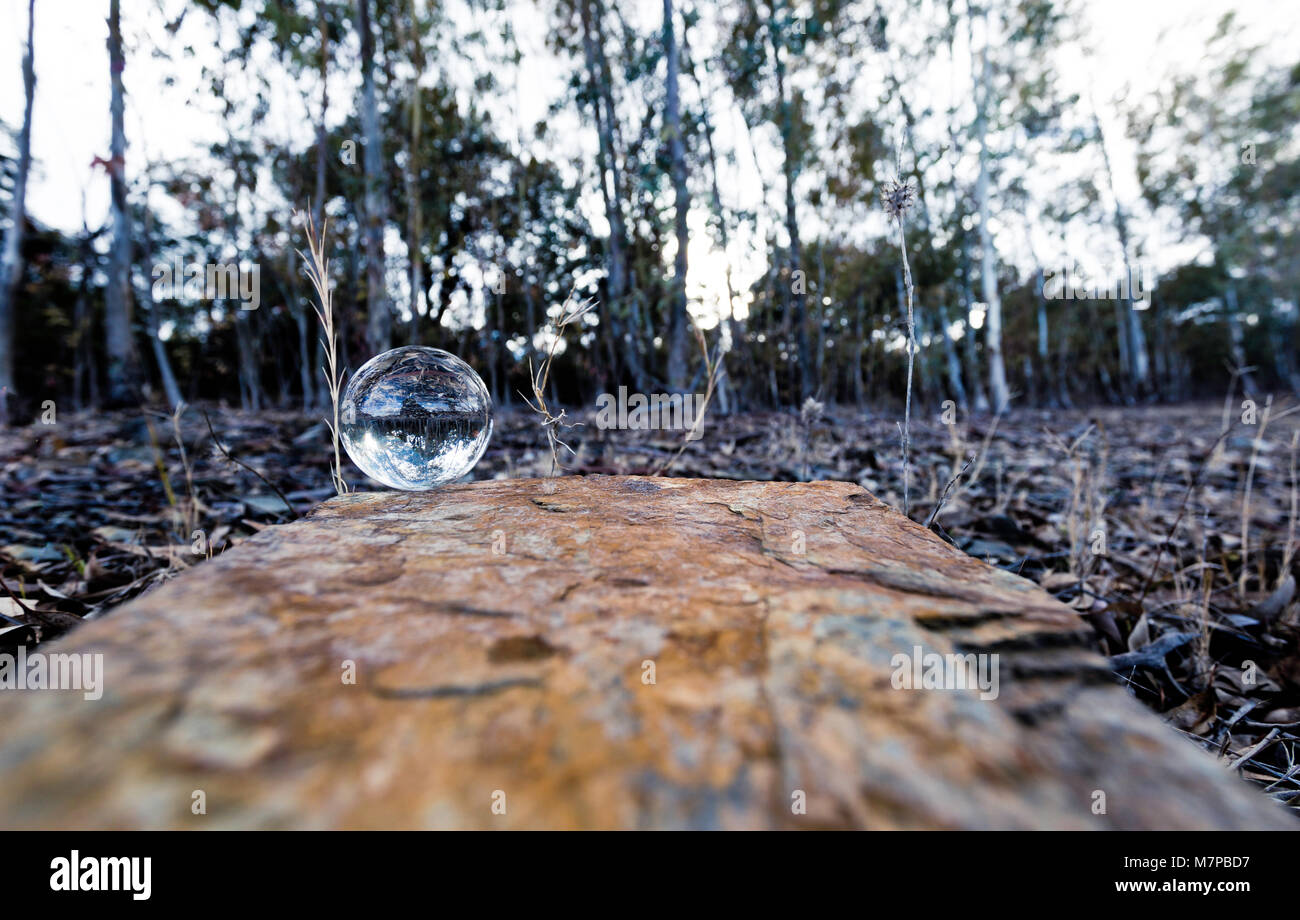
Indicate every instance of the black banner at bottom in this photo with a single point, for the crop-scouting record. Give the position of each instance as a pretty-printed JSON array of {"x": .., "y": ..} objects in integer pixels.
[{"x": 237, "y": 869}]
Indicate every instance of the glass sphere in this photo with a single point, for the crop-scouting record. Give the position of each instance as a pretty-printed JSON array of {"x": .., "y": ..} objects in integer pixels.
[{"x": 415, "y": 418}]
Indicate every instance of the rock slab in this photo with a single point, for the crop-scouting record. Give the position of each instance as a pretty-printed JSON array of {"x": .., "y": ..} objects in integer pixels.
[{"x": 599, "y": 652}]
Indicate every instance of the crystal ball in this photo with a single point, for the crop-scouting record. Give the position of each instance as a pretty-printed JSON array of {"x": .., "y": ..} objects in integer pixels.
[{"x": 415, "y": 418}]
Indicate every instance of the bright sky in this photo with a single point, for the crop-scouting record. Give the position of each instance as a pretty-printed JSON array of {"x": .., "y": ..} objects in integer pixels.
[{"x": 1137, "y": 43}]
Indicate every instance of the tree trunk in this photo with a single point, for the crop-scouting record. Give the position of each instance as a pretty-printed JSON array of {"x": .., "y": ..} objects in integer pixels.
[
  {"x": 378, "y": 319},
  {"x": 414, "y": 213},
  {"x": 246, "y": 337},
  {"x": 170, "y": 388},
  {"x": 1237, "y": 341},
  {"x": 250, "y": 389},
  {"x": 998, "y": 390},
  {"x": 85, "y": 374},
  {"x": 1294, "y": 344},
  {"x": 525, "y": 279},
  {"x": 122, "y": 372},
  {"x": 1137, "y": 341},
  {"x": 797, "y": 281},
  {"x": 952, "y": 363},
  {"x": 819, "y": 317},
  {"x": 11, "y": 259},
  {"x": 677, "y": 337},
  {"x": 322, "y": 134},
  {"x": 311, "y": 394},
  {"x": 1063, "y": 363},
  {"x": 616, "y": 284},
  {"x": 1043, "y": 344},
  {"x": 979, "y": 398},
  {"x": 1130, "y": 331},
  {"x": 301, "y": 321},
  {"x": 859, "y": 350},
  {"x": 735, "y": 327}
]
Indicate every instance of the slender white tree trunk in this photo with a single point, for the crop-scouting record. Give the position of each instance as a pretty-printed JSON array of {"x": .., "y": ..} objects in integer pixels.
[
  {"x": 952, "y": 363},
  {"x": 1130, "y": 331},
  {"x": 11, "y": 260},
  {"x": 117, "y": 294},
  {"x": 677, "y": 337},
  {"x": 165, "y": 372},
  {"x": 378, "y": 320},
  {"x": 311, "y": 394},
  {"x": 998, "y": 390}
]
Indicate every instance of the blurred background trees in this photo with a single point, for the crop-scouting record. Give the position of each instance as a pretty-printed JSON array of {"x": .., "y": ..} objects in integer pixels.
[{"x": 710, "y": 163}]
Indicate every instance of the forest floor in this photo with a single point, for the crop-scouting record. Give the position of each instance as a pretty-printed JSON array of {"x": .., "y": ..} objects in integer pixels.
[{"x": 1172, "y": 530}]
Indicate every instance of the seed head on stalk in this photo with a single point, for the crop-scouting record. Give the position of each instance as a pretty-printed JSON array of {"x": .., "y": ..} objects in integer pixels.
[
  {"x": 898, "y": 196},
  {"x": 317, "y": 268}
]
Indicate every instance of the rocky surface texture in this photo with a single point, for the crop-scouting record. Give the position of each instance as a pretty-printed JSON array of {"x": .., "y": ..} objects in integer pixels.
[{"x": 598, "y": 652}]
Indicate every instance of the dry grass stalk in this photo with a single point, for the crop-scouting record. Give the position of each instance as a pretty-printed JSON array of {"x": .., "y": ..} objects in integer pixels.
[
  {"x": 712, "y": 370},
  {"x": 572, "y": 311},
  {"x": 943, "y": 497},
  {"x": 1227, "y": 423},
  {"x": 809, "y": 415},
  {"x": 161, "y": 466},
  {"x": 1245, "y": 497},
  {"x": 981, "y": 458},
  {"x": 1265, "y": 416},
  {"x": 191, "y": 512},
  {"x": 1085, "y": 514},
  {"x": 1204, "y": 660},
  {"x": 899, "y": 196},
  {"x": 317, "y": 269}
]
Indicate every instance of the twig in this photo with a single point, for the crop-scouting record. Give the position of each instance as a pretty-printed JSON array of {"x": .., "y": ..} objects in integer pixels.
[
  {"x": 225, "y": 453},
  {"x": 934, "y": 515},
  {"x": 30, "y": 611},
  {"x": 1255, "y": 749},
  {"x": 14, "y": 597}
]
